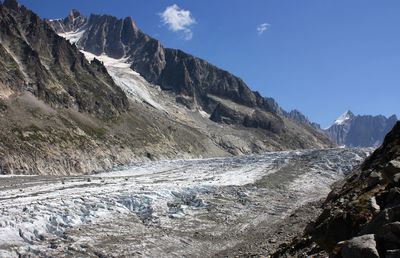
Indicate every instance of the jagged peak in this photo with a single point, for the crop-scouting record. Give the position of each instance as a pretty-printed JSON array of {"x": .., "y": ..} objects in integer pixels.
[
  {"x": 344, "y": 117},
  {"x": 126, "y": 20},
  {"x": 73, "y": 14},
  {"x": 11, "y": 4},
  {"x": 131, "y": 22}
]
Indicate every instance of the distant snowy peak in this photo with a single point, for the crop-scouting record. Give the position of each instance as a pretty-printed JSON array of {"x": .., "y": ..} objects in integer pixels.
[
  {"x": 360, "y": 130},
  {"x": 346, "y": 116}
]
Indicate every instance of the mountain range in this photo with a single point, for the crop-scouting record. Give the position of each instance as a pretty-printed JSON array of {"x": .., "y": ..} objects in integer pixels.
[
  {"x": 360, "y": 130},
  {"x": 86, "y": 94}
]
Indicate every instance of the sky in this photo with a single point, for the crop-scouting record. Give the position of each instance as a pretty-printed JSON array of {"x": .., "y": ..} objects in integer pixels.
[{"x": 322, "y": 57}]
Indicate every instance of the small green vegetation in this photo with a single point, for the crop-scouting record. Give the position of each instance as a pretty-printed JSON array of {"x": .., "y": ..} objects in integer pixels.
[
  {"x": 30, "y": 133},
  {"x": 91, "y": 130}
]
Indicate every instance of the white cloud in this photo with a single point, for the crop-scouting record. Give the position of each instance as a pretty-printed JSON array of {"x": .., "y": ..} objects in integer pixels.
[
  {"x": 262, "y": 28},
  {"x": 178, "y": 20}
]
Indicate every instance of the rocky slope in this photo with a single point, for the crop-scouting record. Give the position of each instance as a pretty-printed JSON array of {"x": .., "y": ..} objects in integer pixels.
[
  {"x": 64, "y": 110},
  {"x": 360, "y": 131},
  {"x": 61, "y": 114},
  {"x": 195, "y": 83},
  {"x": 361, "y": 216}
]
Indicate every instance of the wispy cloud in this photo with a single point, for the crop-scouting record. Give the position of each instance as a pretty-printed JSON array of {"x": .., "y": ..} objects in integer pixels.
[
  {"x": 262, "y": 28},
  {"x": 178, "y": 20}
]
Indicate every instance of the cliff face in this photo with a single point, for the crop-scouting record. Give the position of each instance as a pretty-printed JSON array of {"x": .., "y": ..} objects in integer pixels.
[
  {"x": 361, "y": 216},
  {"x": 41, "y": 62}
]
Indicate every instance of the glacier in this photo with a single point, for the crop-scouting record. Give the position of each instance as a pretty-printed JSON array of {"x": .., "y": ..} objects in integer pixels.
[{"x": 175, "y": 207}]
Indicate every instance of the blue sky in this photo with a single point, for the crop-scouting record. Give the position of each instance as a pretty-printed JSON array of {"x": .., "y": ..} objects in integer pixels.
[{"x": 319, "y": 56}]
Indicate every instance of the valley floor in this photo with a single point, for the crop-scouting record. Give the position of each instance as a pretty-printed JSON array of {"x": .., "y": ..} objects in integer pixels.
[{"x": 196, "y": 208}]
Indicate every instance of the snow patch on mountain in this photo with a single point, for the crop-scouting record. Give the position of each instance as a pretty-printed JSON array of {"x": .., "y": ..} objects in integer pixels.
[
  {"x": 73, "y": 36},
  {"x": 134, "y": 85},
  {"x": 344, "y": 117}
]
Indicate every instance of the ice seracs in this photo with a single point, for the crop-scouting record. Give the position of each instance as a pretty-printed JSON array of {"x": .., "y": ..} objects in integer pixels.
[{"x": 179, "y": 196}]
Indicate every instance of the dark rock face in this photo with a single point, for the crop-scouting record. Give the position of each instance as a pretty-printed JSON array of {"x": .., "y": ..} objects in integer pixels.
[
  {"x": 262, "y": 120},
  {"x": 362, "y": 246},
  {"x": 257, "y": 119},
  {"x": 360, "y": 131},
  {"x": 361, "y": 216},
  {"x": 72, "y": 22},
  {"x": 172, "y": 69},
  {"x": 36, "y": 59}
]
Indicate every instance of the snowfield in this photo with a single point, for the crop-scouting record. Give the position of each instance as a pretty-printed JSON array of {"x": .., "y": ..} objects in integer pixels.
[
  {"x": 134, "y": 85},
  {"x": 164, "y": 208}
]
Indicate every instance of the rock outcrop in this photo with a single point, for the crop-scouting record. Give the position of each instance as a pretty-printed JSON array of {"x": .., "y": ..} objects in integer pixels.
[{"x": 361, "y": 216}]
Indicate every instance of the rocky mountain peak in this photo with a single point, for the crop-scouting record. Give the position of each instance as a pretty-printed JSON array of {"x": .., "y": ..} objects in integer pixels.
[
  {"x": 11, "y": 4},
  {"x": 344, "y": 117},
  {"x": 360, "y": 130},
  {"x": 129, "y": 21},
  {"x": 73, "y": 14}
]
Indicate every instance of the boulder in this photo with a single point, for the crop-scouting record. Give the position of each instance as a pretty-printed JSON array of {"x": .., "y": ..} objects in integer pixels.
[
  {"x": 390, "y": 198},
  {"x": 384, "y": 217},
  {"x": 392, "y": 170},
  {"x": 362, "y": 246},
  {"x": 374, "y": 179},
  {"x": 393, "y": 253},
  {"x": 388, "y": 236}
]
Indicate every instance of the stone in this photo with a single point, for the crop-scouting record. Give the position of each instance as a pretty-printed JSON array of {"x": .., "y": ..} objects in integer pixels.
[
  {"x": 388, "y": 236},
  {"x": 396, "y": 177},
  {"x": 362, "y": 246},
  {"x": 384, "y": 217},
  {"x": 393, "y": 253},
  {"x": 374, "y": 179},
  {"x": 392, "y": 171}
]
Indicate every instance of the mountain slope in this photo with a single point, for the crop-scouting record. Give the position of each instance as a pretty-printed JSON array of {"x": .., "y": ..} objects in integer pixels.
[
  {"x": 63, "y": 114},
  {"x": 50, "y": 68},
  {"x": 193, "y": 82},
  {"x": 170, "y": 68},
  {"x": 360, "y": 131}
]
